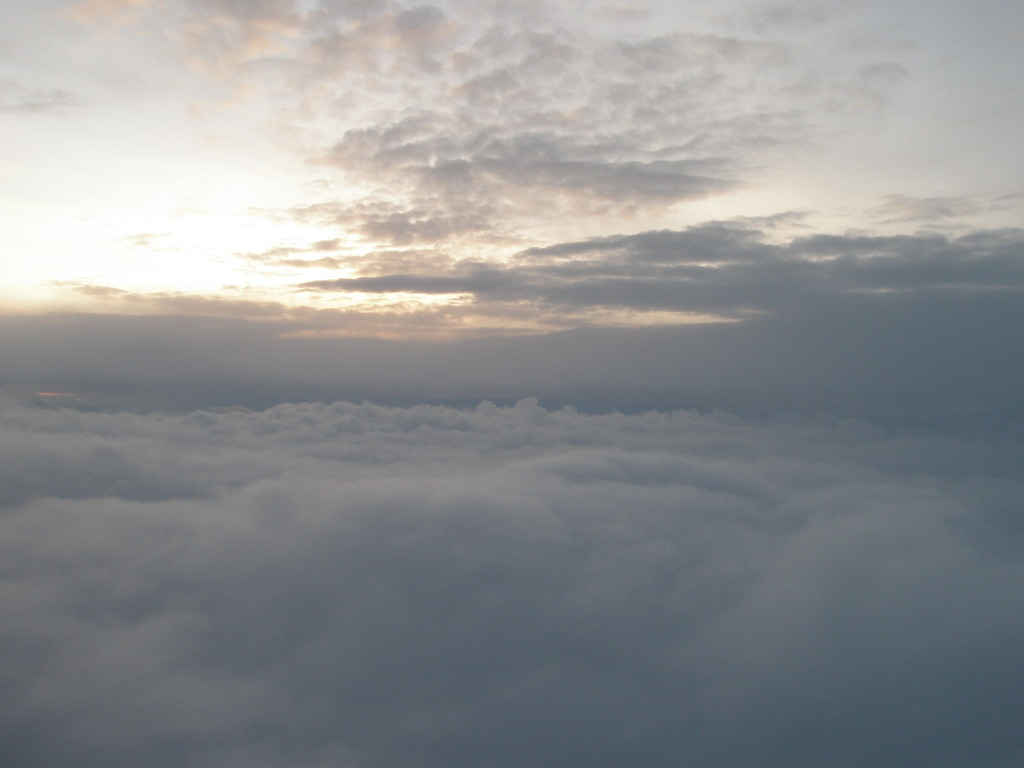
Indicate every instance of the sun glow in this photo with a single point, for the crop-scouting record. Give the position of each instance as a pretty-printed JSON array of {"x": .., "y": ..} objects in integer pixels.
[{"x": 192, "y": 251}]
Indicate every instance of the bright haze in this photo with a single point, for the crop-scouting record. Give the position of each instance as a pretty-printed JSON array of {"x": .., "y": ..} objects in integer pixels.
[{"x": 526, "y": 383}]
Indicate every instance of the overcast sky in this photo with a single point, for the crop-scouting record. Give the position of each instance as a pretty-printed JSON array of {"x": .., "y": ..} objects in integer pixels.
[{"x": 525, "y": 383}]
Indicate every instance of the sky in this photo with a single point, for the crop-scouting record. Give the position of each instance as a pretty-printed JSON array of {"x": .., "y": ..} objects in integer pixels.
[
  {"x": 434, "y": 189},
  {"x": 363, "y": 165},
  {"x": 764, "y": 207},
  {"x": 537, "y": 383}
]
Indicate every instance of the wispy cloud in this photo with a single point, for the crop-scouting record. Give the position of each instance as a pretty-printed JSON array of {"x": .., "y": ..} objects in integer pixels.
[{"x": 906, "y": 208}]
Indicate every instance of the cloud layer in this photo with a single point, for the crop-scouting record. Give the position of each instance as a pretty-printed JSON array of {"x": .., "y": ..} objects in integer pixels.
[
  {"x": 894, "y": 328},
  {"x": 319, "y": 585},
  {"x": 284, "y": 201},
  {"x": 726, "y": 269}
]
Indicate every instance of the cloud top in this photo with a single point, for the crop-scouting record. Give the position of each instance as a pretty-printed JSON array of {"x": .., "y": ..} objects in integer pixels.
[{"x": 349, "y": 584}]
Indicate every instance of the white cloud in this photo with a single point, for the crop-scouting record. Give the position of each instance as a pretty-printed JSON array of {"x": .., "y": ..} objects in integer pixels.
[{"x": 350, "y": 584}]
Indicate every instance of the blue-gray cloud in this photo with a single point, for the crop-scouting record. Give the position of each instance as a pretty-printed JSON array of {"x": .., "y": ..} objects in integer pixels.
[
  {"x": 348, "y": 584},
  {"x": 724, "y": 269},
  {"x": 905, "y": 329}
]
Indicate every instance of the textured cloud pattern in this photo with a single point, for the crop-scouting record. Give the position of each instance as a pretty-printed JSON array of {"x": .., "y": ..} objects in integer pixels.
[{"x": 353, "y": 585}]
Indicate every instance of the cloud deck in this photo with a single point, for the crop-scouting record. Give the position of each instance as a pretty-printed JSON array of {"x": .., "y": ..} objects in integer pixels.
[{"x": 346, "y": 584}]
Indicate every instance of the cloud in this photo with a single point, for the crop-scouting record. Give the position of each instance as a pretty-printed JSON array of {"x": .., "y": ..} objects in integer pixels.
[
  {"x": 466, "y": 124},
  {"x": 291, "y": 256},
  {"x": 19, "y": 99},
  {"x": 876, "y": 81},
  {"x": 724, "y": 269},
  {"x": 350, "y": 584},
  {"x": 904, "y": 329},
  {"x": 764, "y": 17},
  {"x": 528, "y": 126},
  {"x": 904, "y": 208},
  {"x": 944, "y": 354},
  {"x": 897, "y": 329}
]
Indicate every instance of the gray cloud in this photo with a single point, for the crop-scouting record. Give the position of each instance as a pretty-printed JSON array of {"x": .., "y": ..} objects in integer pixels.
[
  {"x": 765, "y": 17},
  {"x": 349, "y": 584},
  {"x": 724, "y": 269},
  {"x": 902, "y": 329},
  {"x": 937, "y": 356},
  {"x": 904, "y": 208}
]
